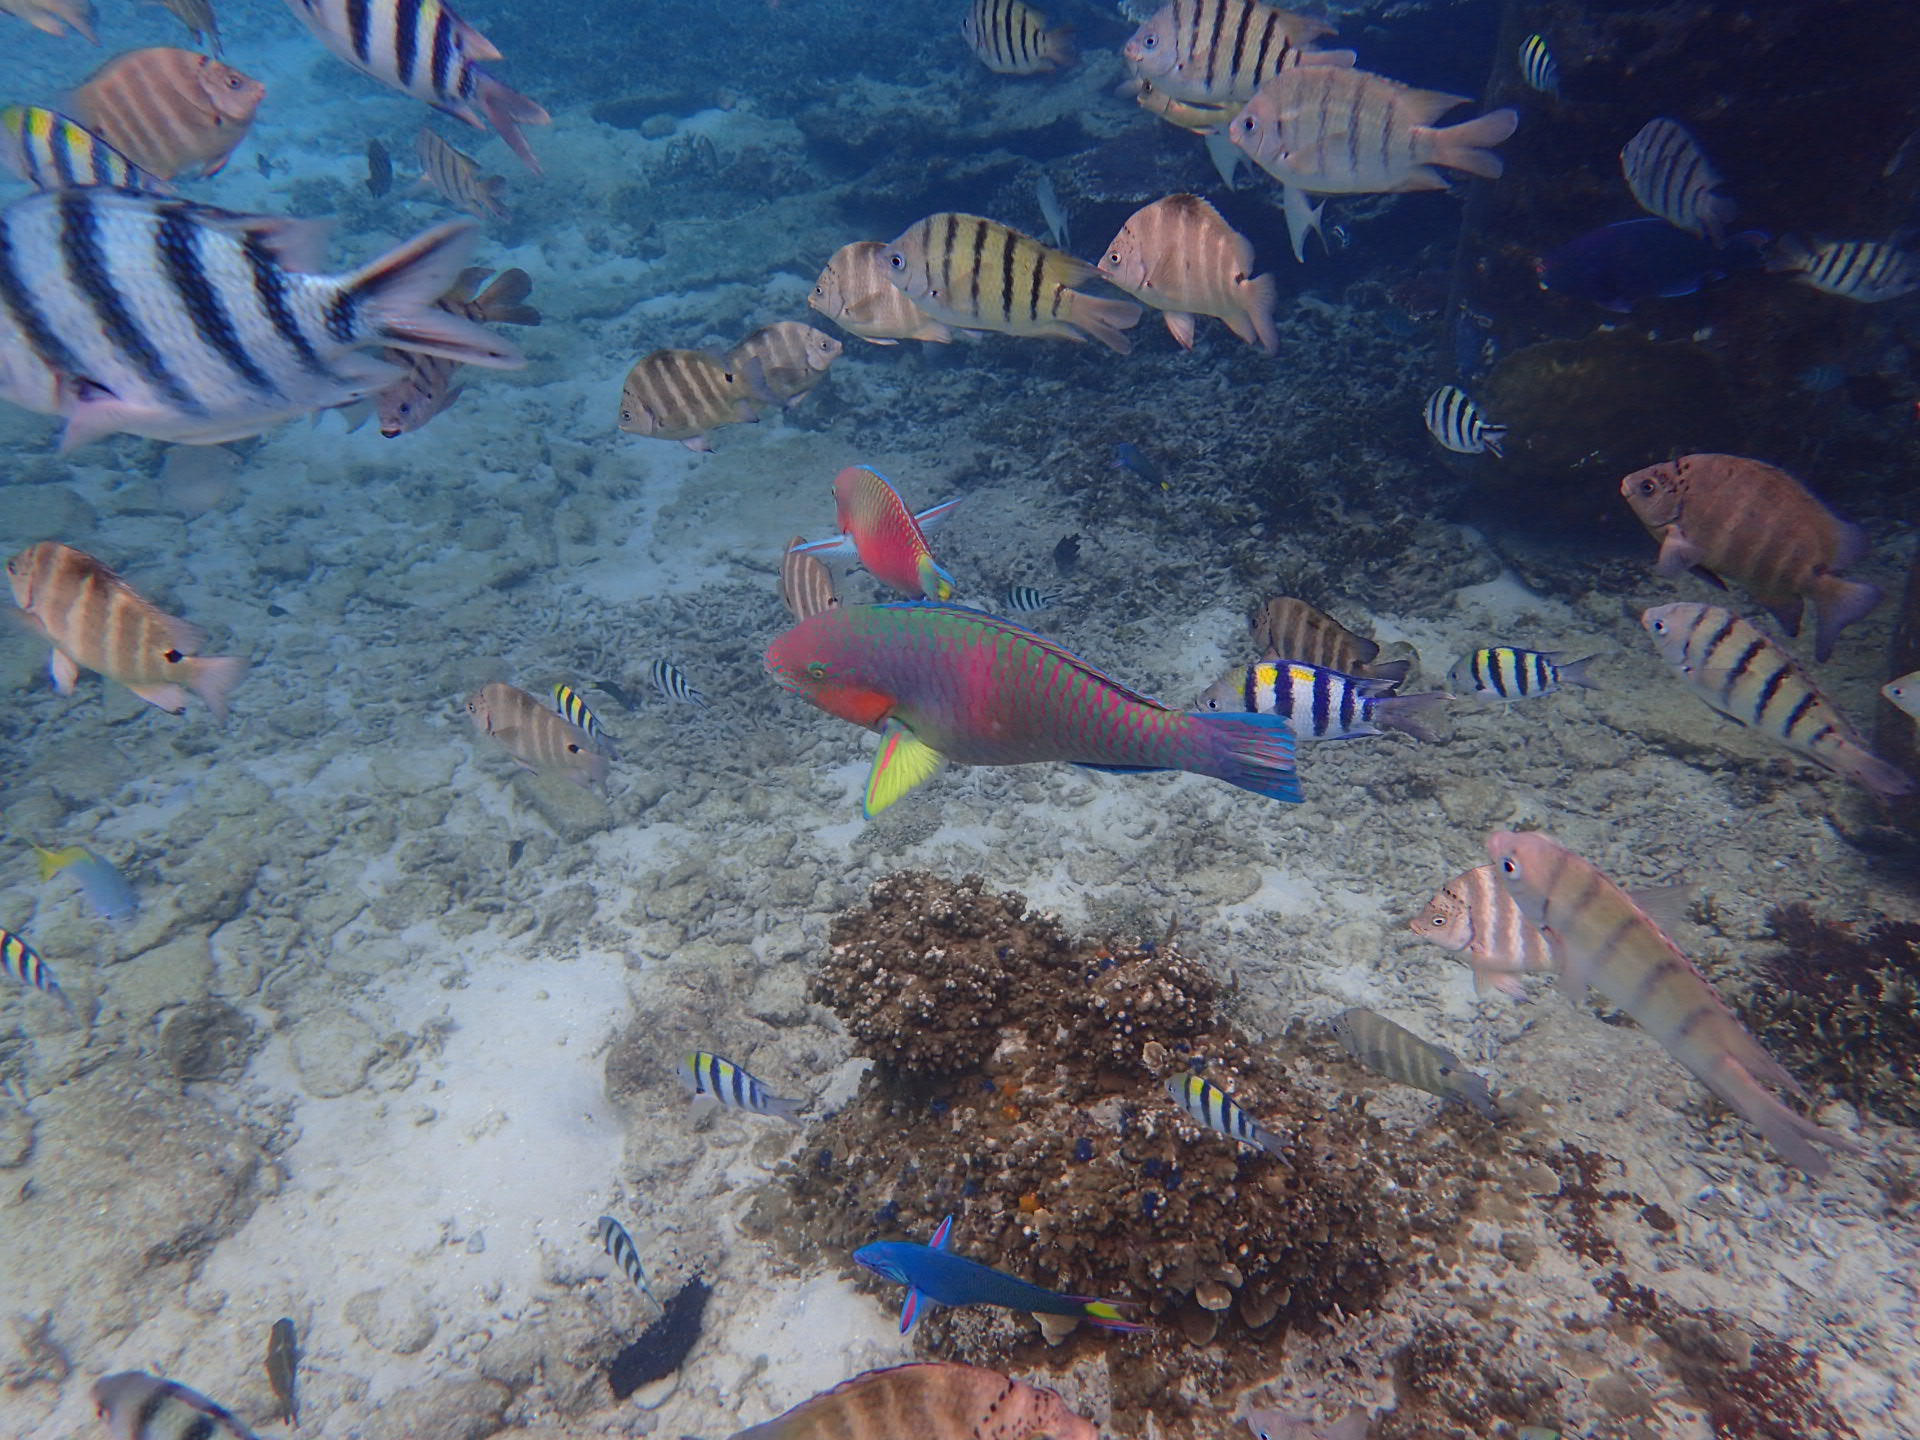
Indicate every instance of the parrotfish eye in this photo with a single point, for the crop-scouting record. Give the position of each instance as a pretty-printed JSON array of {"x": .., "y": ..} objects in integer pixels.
[{"x": 817, "y": 670}]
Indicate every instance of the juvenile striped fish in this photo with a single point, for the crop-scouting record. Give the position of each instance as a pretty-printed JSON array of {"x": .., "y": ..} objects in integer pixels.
[
  {"x": 107, "y": 891},
  {"x": 1749, "y": 679},
  {"x": 1455, "y": 421},
  {"x": 283, "y": 1369},
  {"x": 51, "y": 152},
  {"x": 537, "y": 738},
  {"x": 855, "y": 293},
  {"x": 704, "y": 1074},
  {"x": 941, "y": 681},
  {"x": 1286, "y": 628},
  {"x": 1863, "y": 270},
  {"x": 806, "y": 585},
  {"x": 574, "y": 710},
  {"x": 619, "y": 1244},
  {"x": 684, "y": 395},
  {"x": 791, "y": 359},
  {"x": 54, "y": 17},
  {"x": 1670, "y": 176},
  {"x": 938, "y": 1400},
  {"x": 1601, "y": 938},
  {"x": 933, "y": 1272},
  {"x": 185, "y": 323},
  {"x": 1025, "y": 599},
  {"x": 96, "y": 621},
  {"x": 1728, "y": 517},
  {"x": 138, "y": 1406},
  {"x": 1207, "y": 1103},
  {"x": 170, "y": 111},
  {"x": 23, "y": 963},
  {"x": 1537, "y": 66},
  {"x": 1504, "y": 672},
  {"x": 1181, "y": 257},
  {"x": 1322, "y": 704},
  {"x": 890, "y": 540},
  {"x": 1396, "y": 1052},
  {"x": 671, "y": 683},
  {"x": 456, "y": 176},
  {"x": 427, "y": 388},
  {"x": 423, "y": 49},
  {"x": 1219, "y": 52},
  {"x": 982, "y": 275},
  {"x": 1012, "y": 38}
]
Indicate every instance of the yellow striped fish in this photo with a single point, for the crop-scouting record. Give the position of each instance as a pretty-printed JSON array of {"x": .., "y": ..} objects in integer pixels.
[
  {"x": 1749, "y": 679},
  {"x": 536, "y": 738},
  {"x": 982, "y": 275},
  {"x": 456, "y": 175},
  {"x": 682, "y": 395},
  {"x": 51, "y": 152},
  {"x": 1601, "y": 938},
  {"x": 567, "y": 700},
  {"x": 704, "y": 1074},
  {"x": 1217, "y": 1110},
  {"x": 1218, "y": 52},
  {"x": 791, "y": 358},
  {"x": 855, "y": 293},
  {"x": 18, "y": 959},
  {"x": 1012, "y": 38}
]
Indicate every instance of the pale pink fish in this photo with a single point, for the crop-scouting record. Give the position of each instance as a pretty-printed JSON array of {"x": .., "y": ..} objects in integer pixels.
[{"x": 1600, "y": 937}]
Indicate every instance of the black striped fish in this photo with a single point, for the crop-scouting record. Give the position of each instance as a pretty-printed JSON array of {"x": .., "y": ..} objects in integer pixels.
[
  {"x": 1503, "y": 672},
  {"x": 806, "y": 585},
  {"x": 1396, "y": 1052},
  {"x": 1455, "y": 421},
  {"x": 51, "y": 152},
  {"x": 1011, "y": 38},
  {"x": 138, "y": 1406},
  {"x": 1218, "y": 52},
  {"x": 982, "y": 275},
  {"x": 1537, "y": 66},
  {"x": 1863, "y": 270},
  {"x": 672, "y": 683},
  {"x": 613, "y": 1235},
  {"x": 1670, "y": 176},
  {"x": 1215, "y": 1109},
  {"x": 23, "y": 963},
  {"x": 1322, "y": 704},
  {"x": 1746, "y": 677},
  {"x": 1024, "y": 599},
  {"x": 568, "y": 702},
  {"x": 705, "y": 1074},
  {"x": 456, "y": 175},
  {"x": 181, "y": 322},
  {"x": 422, "y": 48},
  {"x": 684, "y": 394}
]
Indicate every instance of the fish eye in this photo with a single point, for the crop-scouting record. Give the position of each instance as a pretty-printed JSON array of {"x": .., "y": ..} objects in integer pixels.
[
  {"x": 1659, "y": 627},
  {"x": 172, "y": 657},
  {"x": 1440, "y": 920},
  {"x": 1149, "y": 41},
  {"x": 897, "y": 261},
  {"x": 817, "y": 670},
  {"x": 1507, "y": 866},
  {"x": 573, "y": 747},
  {"x": 1113, "y": 257},
  {"x": 1646, "y": 487},
  {"x": 625, "y": 416}
]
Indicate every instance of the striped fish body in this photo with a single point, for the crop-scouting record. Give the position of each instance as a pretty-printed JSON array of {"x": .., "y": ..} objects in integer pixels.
[
  {"x": 1012, "y": 38},
  {"x": 1286, "y": 628},
  {"x": 456, "y": 176},
  {"x": 1320, "y": 704},
  {"x": 670, "y": 683},
  {"x": 1670, "y": 176},
  {"x": 982, "y": 275},
  {"x": 619, "y": 1244},
  {"x": 180, "y": 322},
  {"x": 684, "y": 395},
  {"x": 1600, "y": 937},
  {"x": 138, "y": 1406},
  {"x": 51, "y": 152},
  {"x": 1455, "y": 421},
  {"x": 1214, "y": 1108},
  {"x": 980, "y": 690},
  {"x": 574, "y": 710},
  {"x": 96, "y": 621},
  {"x": 1326, "y": 129},
  {"x": 1746, "y": 677},
  {"x": 1473, "y": 915},
  {"x": 886, "y": 536},
  {"x": 54, "y": 17},
  {"x": 23, "y": 963},
  {"x": 1219, "y": 52},
  {"x": 1537, "y": 66},
  {"x": 806, "y": 585},
  {"x": 1504, "y": 672},
  {"x": 1182, "y": 258},
  {"x": 537, "y": 738},
  {"x": 423, "y": 49},
  {"x": 1025, "y": 599},
  {"x": 1753, "y": 523},
  {"x": 1863, "y": 270},
  {"x": 786, "y": 359},
  {"x": 706, "y": 1075},
  {"x": 938, "y": 1400},
  {"x": 855, "y": 293},
  {"x": 168, "y": 110},
  {"x": 1392, "y": 1050}
]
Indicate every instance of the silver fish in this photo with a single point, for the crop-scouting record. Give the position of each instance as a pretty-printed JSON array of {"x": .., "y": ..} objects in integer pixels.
[
  {"x": 1537, "y": 66},
  {"x": 1217, "y": 1110},
  {"x": 702, "y": 1073}
]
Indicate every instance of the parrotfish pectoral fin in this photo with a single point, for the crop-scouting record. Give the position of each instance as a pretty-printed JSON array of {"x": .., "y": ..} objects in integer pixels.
[
  {"x": 934, "y": 580},
  {"x": 937, "y": 514},
  {"x": 904, "y": 761},
  {"x": 942, "y": 1235},
  {"x": 909, "y": 1310}
]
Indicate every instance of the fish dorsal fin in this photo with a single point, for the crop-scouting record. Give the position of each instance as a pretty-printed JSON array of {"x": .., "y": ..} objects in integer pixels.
[
  {"x": 1051, "y": 647},
  {"x": 1665, "y": 905},
  {"x": 296, "y": 245},
  {"x": 942, "y": 1236}
]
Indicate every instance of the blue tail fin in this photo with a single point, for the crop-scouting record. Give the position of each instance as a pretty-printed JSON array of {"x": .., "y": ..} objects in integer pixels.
[{"x": 1254, "y": 752}]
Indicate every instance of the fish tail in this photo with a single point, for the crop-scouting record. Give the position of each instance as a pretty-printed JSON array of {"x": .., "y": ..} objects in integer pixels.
[
  {"x": 1839, "y": 603},
  {"x": 1404, "y": 713},
  {"x": 1254, "y": 752},
  {"x": 212, "y": 678},
  {"x": 1464, "y": 146},
  {"x": 1107, "y": 1314},
  {"x": 1262, "y": 293},
  {"x": 1797, "y": 1138},
  {"x": 504, "y": 301},
  {"x": 1574, "y": 672},
  {"x": 934, "y": 580},
  {"x": 399, "y": 289},
  {"x": 1863, "y": 767},
  {"x": 1494, "y": 437},
  {"x": 1104, "y": 320},
  {"x": 786, "y": 1109},
  {"x": 1058, "y": 47},
  {"x": 508, "y": 110}
]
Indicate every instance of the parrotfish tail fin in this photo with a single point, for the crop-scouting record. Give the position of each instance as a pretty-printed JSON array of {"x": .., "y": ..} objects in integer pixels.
[
  {"x": 1262, "y": 295},
  {"x": 1303, "y": 219},
  {"x": 942, "y": 1236},
  {"x": 1060, "y": 47},
  {"x": 1574, "y": 672},
  {"x": 909, "y": 1310},
  {"x": 1465, "y": 146},
  {"x": 838, "y": 546},
  {"x": 1838, "y": 603},
  {"x": 1797, "y": 1138},
  {"x": 1405, "y": 713},
  {"x": 932, "y": 516},
  {"x": 508, "y": 110},
  {"x": 398, "y": 291},
  {"x": 1107, "y": 1314},
  {"x": 934, "y": 580},
  {"x": 779, "y": 1106},
  {"x": 212, "y": 678},
  {"x": 1864, "y": 767},
  {"x": 1104, "y": 320},
  {"x": 904, "y": 761},
  {"x": 1254, "y": 752},
  {"x": 1493, "y": 437}
]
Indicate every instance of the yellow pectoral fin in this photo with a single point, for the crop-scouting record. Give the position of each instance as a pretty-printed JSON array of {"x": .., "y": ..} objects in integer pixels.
[{"x": 903, "y": 762}]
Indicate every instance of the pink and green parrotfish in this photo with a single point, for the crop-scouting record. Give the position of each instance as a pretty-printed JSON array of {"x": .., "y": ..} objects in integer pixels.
[
  {"x": 890, "y": 540},
  {"x": 942, "y": 681}
]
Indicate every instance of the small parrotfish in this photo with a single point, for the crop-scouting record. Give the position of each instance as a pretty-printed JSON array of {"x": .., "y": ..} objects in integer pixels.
[
  {"x": 933, "y": 1272},
  {"x": 891, "y": 542},
  {"x": 1215, "y": 1109},
  {"x": 106, "y": 889},
  {"x": 703, "y": 1073}
]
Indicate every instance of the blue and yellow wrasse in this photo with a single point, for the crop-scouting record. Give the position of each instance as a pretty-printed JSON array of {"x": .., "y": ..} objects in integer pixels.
[
  {"x": 933, "y": 1272},
  {"x": 106, "y": 889}
]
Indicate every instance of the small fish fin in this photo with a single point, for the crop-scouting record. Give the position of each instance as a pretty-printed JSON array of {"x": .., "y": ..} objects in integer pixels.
[
  {"x": 1789, "y": 613},
  {"x": 296, "y": 245},
  {"x": 864, "y": 310},
  {"x": 1405, "y": 713},
  {"x": 1303, "y": 219},
  {"x": 1181, "y": 328},
  {"x": 508, "y": 110},
  {"x": 943, "y": 1236},
  {"x": 504, "y": 300},
  {"x": 1471, "y": 1089},
  {"x": 937, "y": 514},
  {"x": 1574, "y": 976},
  {"x": 699, "y": 444},
  {"x": 170, "y": 698},
  {"x": 1796, "y": 1138},
  {"x": 1837, "y": 604},
  {"x": 839, "y": 546},
  {"x": 399, "y": 291},
  {"x": 52, "y": 862},
  {"x": 1394, "y": 672},
  {"x": 1494, "y": 438},
  {"x": 1104, "y": 320},
  {"x": 786, "y": 1108},
  {"x": 909, "y": 1310},
  {"x": 1058, "y": 46},
  {"x": 1665, "y": 905},
  {"x": 63, "y": 671},
  {"x": 1466, "y": 146},
  {"x": 933, "y": 332},
  {"x": 213, "y": 678},
  {"x": 1254, "y": 752},
  {"x": 1260, "y": 295},
  {"x": 354, "y": 414},
  {"x": 934, "y": 580},
  {"x": 467, "y": 284},
  {"x": 1862, "y": 766},
  {"x": 904, "y": 761},
  {"x": 754, "y": 372},
  {"x": 1574, "y": 672},
  {"x": 1107, "y": 1314},
  {"x": 1423, "y": 107},
  {"x": 1343, "y": 59}
]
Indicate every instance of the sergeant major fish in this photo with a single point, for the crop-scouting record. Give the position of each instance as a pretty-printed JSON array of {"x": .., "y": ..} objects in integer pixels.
[
  {"x": 619, "y": 1244},
  {"x": 890, "y": 540},
  {"x": 23, "y": 963},
  {"x": 1322, "y": 704},
  {"x": 1217, "y": 1110},
  {"x": 684, "y": 395},
  {"x": 1863, "y": 270},
  {"x": 535, "y": 737},
  {"x": 1455, "y": 421},
  {"x": 1396, "y": 1052},
  {"x": 670, "y": 683},
  {"x": 1010, "y": 37},
  {"x": 1219, "y": 52},
  {"x": 1670, "y": 176},
  {"x": 705, "y": 1075},
  {"x": 1181, "y": 257},
  {"x": 1537, "y": 66},
  {"x": 138, "y": 1406},
  {"x": 791, "y": 358},
  {"x": 1505, "y": 672},
  {"x": 855, "y": 293},
  {"x": 568, "y": 702},
  {"x": 51, "y": 152}
]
